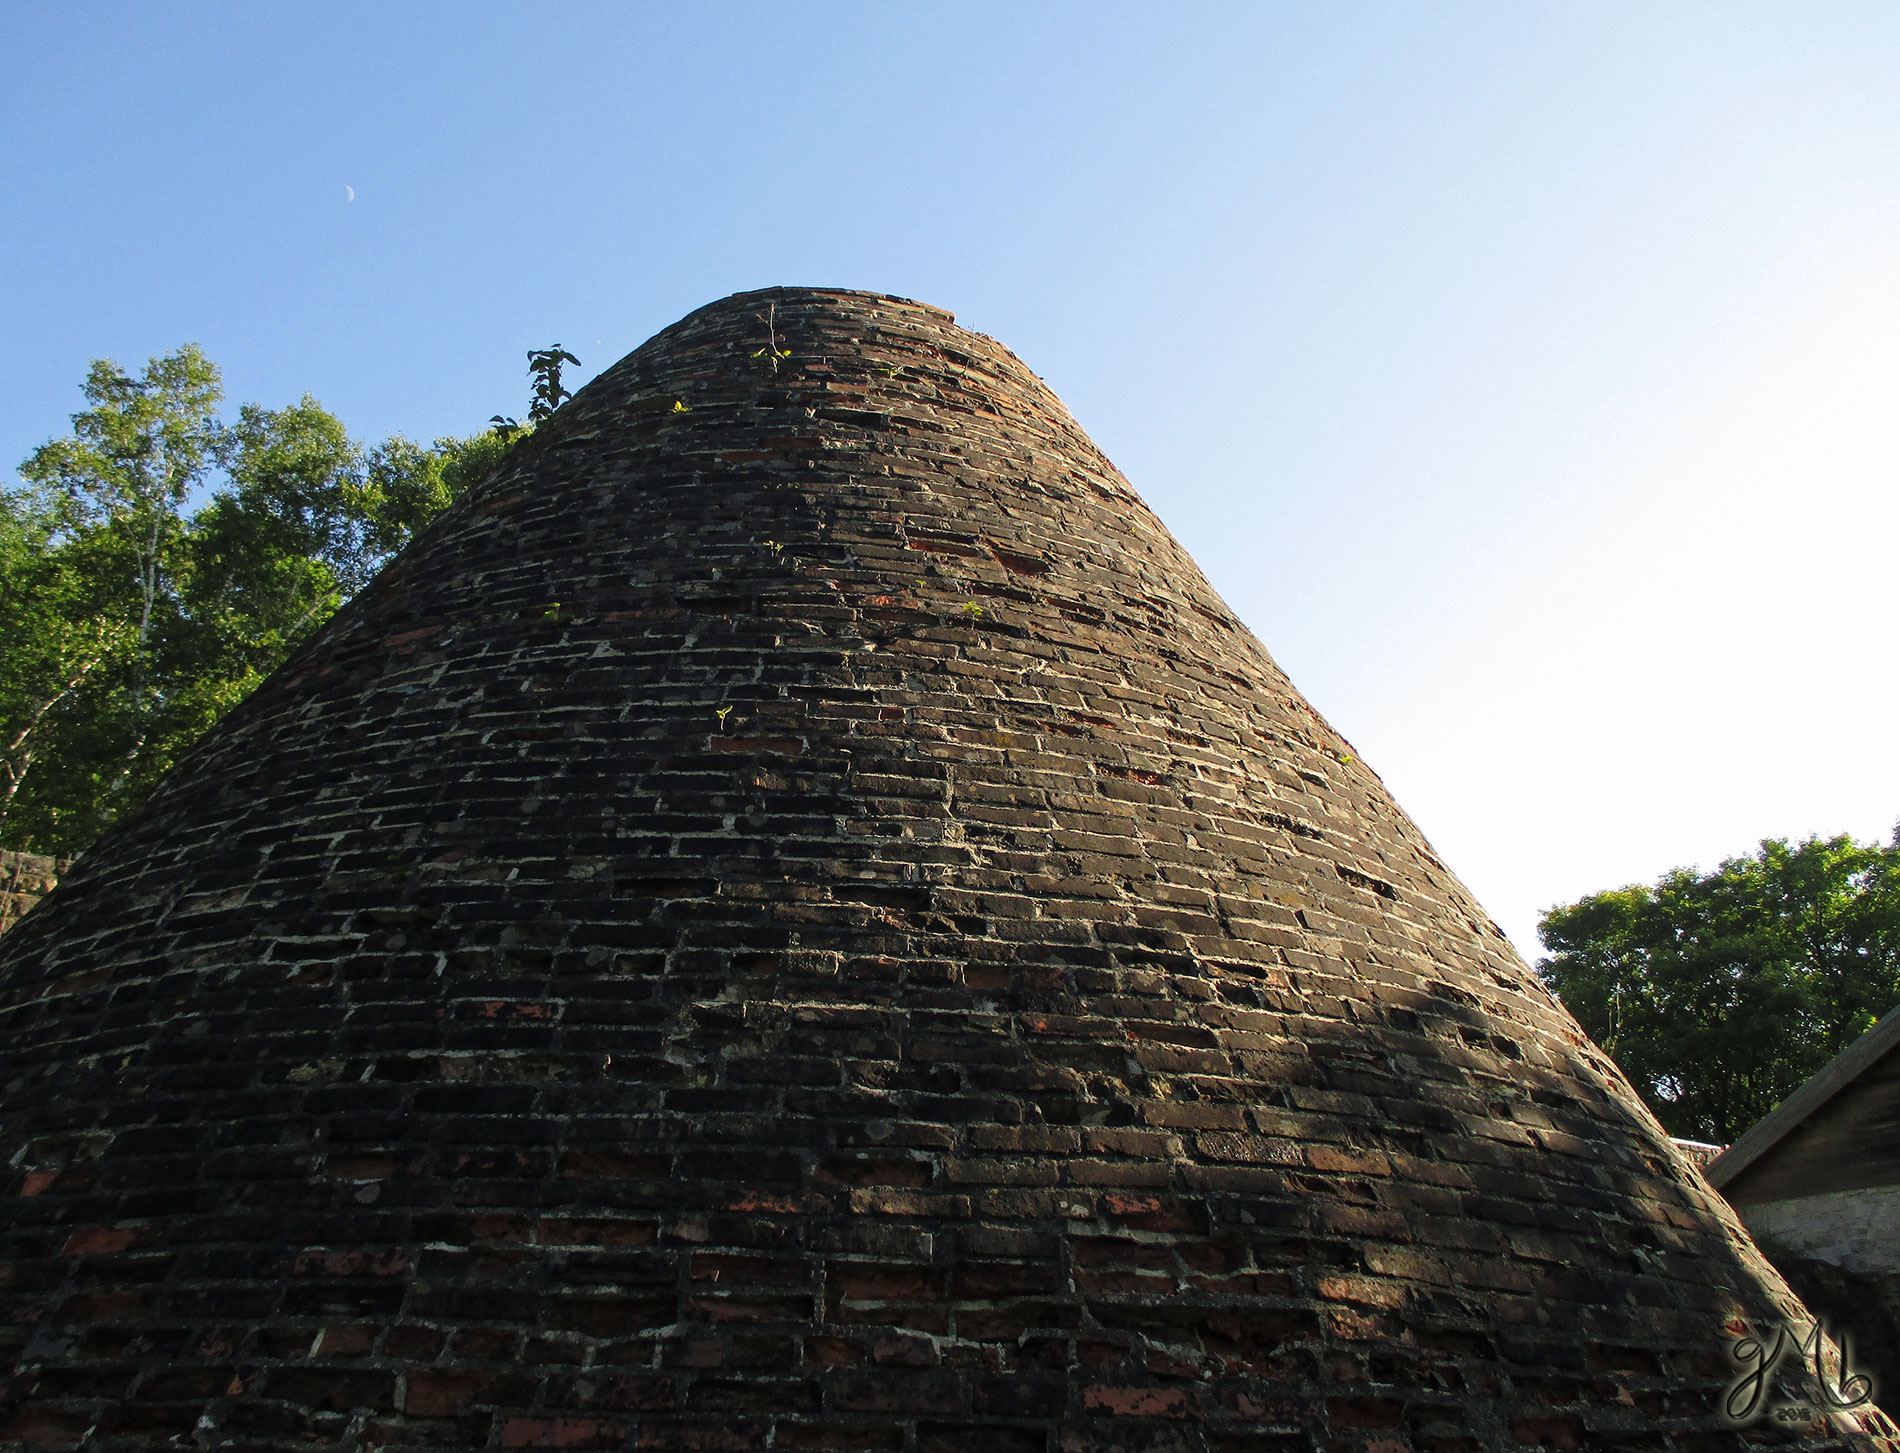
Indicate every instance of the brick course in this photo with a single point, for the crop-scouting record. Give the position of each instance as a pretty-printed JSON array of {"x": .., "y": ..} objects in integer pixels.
[{"x": 793, "y": 917}]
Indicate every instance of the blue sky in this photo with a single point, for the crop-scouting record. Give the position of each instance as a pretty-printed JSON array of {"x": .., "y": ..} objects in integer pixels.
[{"x": 1526, "y": 375}]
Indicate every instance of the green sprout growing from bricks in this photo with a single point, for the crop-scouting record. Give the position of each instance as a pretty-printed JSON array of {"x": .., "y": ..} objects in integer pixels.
[
  {"x": 776, "y": 546},
  {"x": 974, "y": 611},
  {"x": 771, "y": 350},
  {"x": 545, "y": 365},
  {"x": 722, "y": 713}
]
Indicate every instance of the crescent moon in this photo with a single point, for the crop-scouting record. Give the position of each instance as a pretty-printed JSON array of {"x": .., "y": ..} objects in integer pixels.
[{"x": 350, "y": 193}]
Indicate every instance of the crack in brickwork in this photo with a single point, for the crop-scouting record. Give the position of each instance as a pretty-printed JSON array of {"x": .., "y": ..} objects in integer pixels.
[{"x": 794, "y": 918}]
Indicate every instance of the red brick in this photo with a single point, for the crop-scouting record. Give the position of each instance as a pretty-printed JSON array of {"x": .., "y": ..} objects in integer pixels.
[
  {"x": 561, "y": 1433},
  {"x": 103, "y": 1240},
  {"x": 1138, "y": 1402}
]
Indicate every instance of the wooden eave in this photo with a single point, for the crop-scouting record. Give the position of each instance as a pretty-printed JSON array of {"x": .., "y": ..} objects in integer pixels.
[{"x": 1840, "y": 1072}]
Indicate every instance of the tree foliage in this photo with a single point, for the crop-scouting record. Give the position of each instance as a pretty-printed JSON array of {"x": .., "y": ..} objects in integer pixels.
[
  {"x": 1719, "y": 993},
  {"x": 544, "y": 366},
  {"x": 157, "y": 563}
]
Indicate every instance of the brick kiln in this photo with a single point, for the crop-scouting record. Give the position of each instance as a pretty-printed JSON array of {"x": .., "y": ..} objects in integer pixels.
[{"x": 794, "y": 918}]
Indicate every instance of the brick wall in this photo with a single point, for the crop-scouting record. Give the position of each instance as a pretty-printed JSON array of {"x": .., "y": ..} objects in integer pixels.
[{"x": 794, "y": 918}]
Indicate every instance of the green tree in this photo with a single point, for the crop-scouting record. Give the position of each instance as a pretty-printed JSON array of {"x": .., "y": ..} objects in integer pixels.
[
  {"x": 1720, "y": 993},
  {"x": 276, "y": 550},
  {"x": 405, "y": 485},
  {"x": 59, "y": 626},
  {"x": 128, "y": 625},
  {"x": 107, "y": 528}
]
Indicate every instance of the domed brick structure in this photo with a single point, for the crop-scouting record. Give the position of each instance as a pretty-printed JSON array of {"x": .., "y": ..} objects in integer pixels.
[{"x": 794, "y": 918}]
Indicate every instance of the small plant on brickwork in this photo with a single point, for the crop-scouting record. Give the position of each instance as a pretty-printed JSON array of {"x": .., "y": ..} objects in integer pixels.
[
  {"x": 722, "y": 713},
  {"x": 777, "y": 547},
  {"x": 973, "y": 610},
  {"x": 544, "y": 366},
  {"x": 771, "y": 350}
]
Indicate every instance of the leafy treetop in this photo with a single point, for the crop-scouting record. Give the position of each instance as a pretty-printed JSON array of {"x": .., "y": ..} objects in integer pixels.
[
  {"x": 129, "y": 622},
  {"x": 1720, "y": 993}
]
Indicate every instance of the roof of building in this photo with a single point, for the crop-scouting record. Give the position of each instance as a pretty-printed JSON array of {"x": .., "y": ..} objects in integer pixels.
[{"x": 1816, "y": 1095}]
